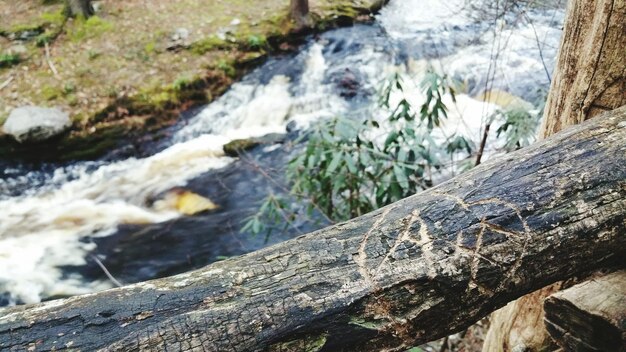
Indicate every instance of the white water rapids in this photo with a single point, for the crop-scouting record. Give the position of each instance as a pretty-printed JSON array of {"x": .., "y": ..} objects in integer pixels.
[{"x": 41, "y": 229}]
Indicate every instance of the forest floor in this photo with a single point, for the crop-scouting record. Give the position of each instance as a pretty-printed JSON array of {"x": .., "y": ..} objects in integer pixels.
[{"x": 134, "y": 66}]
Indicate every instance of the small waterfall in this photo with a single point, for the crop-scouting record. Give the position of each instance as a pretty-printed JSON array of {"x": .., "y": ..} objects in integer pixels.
[{"x": 43, "y": 228}]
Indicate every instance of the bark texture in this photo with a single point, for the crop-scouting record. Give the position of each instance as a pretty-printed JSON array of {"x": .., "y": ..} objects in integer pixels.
[
  {"x": 589, "y": 78},
  {"x": 299, "y": 10},
  {"x": 519, "y": 326},
  {"x": 590, "y": 74},
  {"x": 590, "y": 316},
  {"x": 411, "y": 272},
  {"x": 80, "y": 8}
]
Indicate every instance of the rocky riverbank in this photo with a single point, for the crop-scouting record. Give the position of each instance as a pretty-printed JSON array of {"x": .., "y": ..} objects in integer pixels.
[{"x": 129, "y": 71}]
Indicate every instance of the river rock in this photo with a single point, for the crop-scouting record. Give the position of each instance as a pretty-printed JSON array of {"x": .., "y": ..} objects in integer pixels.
[
  {"x": 185, "y": 202},
  {"x": 349, "y": 84},
  {"x": 36, "y": 124},
  {"x": 235, "y": 147}
]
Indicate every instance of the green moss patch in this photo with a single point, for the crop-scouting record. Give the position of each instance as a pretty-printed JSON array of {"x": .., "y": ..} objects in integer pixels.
[
  {"x": 8, "y": 60},
  {"x": 90, "y": 28}
]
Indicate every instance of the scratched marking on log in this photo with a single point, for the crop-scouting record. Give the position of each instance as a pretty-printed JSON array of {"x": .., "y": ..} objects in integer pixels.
[
  {"x": 425, "y": 243},
  {"x": 511, "y": 235},
  {"x": 361, "y": 259},
  {"x": 518, "y": 261},
  {"x": 476, "y": 260},
  {"x": 427, "y": 247},
  {"x": 404, "y": 236}
]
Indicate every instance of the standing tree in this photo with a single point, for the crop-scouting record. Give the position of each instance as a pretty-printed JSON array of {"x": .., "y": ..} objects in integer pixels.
[
  {"x": 79, "y": 8},
  {"x": 299, "y": 12},
  {"x": 590, "y": 78}
]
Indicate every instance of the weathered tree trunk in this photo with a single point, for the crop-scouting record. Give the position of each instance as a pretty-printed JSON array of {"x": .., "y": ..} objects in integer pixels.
[
  {"x": 411, "y": 272},
  {"x": 589, "y": 78},
  {"x": 299, "y": 10},
  {"x": 590, "y": 316},
  {"x": 590, "y": 74},
  {"x": 80, "y": 8}
]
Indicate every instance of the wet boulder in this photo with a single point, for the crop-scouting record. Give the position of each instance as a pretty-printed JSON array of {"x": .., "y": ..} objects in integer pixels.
[
  {"x": 35, "y": 124},
  {"x": 349, "y": 84},
  {"x": 235, "y": 147},
  {"x": 185, "y": 202}
]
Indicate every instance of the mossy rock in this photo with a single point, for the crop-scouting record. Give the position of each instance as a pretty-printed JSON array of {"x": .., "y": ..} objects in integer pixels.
[
  {"x": 237, "y": 146},
  {"x": 88, "y": 146},
  {"x": 66, "y": 147}
]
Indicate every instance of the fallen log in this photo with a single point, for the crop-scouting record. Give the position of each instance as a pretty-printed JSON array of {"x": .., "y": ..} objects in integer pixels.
[
  {"x": 411, "y": 272},
  {"x": 590, "y": 316}
]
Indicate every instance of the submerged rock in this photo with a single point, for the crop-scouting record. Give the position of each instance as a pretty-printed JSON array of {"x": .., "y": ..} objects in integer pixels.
[
  {"x": 36, "y": 124},
  {"x": 349, "y": 84},
  {"x": 185, "y": 202},
  {"x": 505, "y": 100}
]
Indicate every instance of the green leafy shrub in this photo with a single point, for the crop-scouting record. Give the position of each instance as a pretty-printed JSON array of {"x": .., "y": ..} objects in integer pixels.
[
  {"x": 270, "y": 215},
  {"x": 69, "y": 88},
  {"x": 350, "y": 167},
  {"x": 227, "y": 67},
  {"x": 181, "y": 83},
  {"x": 9, "y": 60},
  {"x": 519, "y": 128},
  {"x": 257, "y": 42},
  {"x": 43, "y": 39}
]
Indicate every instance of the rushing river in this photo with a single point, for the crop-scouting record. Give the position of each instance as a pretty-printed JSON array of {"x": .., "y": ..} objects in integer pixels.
[{"x": 51, "y": 219}]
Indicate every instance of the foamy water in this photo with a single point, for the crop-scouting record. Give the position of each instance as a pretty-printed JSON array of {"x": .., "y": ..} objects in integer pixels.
[{"x": 40, "y": 230}]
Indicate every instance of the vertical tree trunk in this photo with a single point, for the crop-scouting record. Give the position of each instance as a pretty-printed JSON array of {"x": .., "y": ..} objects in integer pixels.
[
  {"x": 299, "y": 10},
  {"x": 79, "y": 8},
  {"x": 589, "y": 78},
  {"x": 590, "y": 75}
]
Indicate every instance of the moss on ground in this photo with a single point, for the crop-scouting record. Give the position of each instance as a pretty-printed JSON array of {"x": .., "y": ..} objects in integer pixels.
[{"x": 127, "y": 72}]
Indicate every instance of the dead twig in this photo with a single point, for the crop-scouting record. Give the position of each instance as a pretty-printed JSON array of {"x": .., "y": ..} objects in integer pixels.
[
  {"x": 6, "y": 83},
  {"x": 106, "y": 272},
  {"x": 483, "y": 142},
  {"x": 50, "y": 63}
]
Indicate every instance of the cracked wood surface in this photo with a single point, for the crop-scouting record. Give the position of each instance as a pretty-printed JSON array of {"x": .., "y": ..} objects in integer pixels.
[
  {"x": 590, "y": 316},
  {"x": 414, "y": 271}
]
